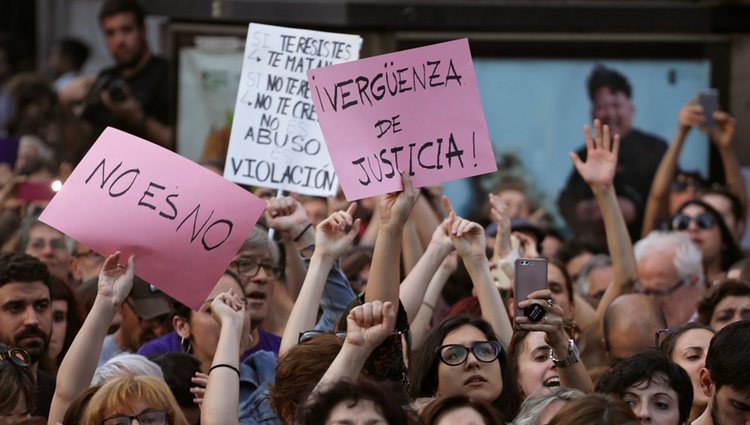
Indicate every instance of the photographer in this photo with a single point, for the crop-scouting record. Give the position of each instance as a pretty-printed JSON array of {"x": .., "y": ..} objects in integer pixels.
[{"x": 133, "y": 94}]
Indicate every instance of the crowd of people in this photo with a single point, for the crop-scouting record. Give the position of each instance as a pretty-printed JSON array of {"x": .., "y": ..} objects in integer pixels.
[{"x": 390, "y": 310}]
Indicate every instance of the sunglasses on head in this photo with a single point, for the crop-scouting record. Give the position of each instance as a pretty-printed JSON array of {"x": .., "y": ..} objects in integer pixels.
[
  {"x": 15, "y": 355},
  {"x": 703, "y": 221}
]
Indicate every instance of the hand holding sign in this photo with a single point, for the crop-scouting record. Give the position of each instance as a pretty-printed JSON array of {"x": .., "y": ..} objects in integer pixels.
[
  {"x": 394, "y": 208},
  {"x": 115, "y": 282},
  {"x": 130, "y": 195}
]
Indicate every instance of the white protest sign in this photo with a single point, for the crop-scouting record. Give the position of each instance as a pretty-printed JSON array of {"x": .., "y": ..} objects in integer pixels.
[{"x": 276, "y": 141}]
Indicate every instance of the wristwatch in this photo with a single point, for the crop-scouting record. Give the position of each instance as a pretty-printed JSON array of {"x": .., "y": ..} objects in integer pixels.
[{"x": 572, "y": 358}]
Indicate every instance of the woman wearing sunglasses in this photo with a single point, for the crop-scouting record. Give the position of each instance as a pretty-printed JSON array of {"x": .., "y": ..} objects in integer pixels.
[
  {"x": 706, "y": 228},
  {"x": 17, "y": 387}
]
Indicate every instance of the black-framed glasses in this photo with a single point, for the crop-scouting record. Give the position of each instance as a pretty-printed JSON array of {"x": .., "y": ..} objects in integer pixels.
[
  {"x": 663, "y": 292},
  {"x": 703, "y": 221},
  {"x": 250, "y": 268},
  {"x": 16, "y": 356},
  {"x": 308, "y": 335},
  {"x": 679, "y": 187},
  {"x": 149, "y": 417},
  {"x": 456, "y": 354}
]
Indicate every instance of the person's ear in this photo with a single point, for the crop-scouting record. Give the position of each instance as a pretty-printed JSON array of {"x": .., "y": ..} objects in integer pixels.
[
  {"x": 707, "y": 384},
  {"x": 181, "y": 326},
  {"x": 74, "y": 269}
]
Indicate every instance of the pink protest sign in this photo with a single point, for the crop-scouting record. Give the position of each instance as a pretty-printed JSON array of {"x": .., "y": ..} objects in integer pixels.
[
  {"x": 183, "y": 222},
  {"x": 417, "y": 110}
]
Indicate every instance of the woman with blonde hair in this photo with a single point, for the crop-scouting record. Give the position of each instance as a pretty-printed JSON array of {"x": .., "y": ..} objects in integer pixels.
[{"x": 144, "y": 398}]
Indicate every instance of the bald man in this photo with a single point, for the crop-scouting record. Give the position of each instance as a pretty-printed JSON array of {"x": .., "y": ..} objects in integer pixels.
[{"x": 630, "y": 325}]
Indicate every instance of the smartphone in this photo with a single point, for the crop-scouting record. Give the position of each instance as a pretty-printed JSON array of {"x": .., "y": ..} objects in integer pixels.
[
  {"x": 530, "y": 276},
  {"x": 709, "y": 101},
  {"x": 35, "y": 191}
]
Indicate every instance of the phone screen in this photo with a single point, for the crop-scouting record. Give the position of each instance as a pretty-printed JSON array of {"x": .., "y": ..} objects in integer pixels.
[
  {"x": 35, "y": 191},
  {"x": 531, "y": 275}
]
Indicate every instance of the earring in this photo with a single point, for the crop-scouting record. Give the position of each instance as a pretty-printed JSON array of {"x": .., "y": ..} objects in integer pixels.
[{"x": 185, "y": 345}]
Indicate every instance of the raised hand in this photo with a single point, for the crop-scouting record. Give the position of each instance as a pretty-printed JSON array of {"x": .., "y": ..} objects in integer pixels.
[
  {"x": 601, "y": 157},
  {"x": 723, "y": 133},
  {"x": 394, "y": 208},
  {"x": 115, "y": 281},
  {"x": 441, "y": 238},
  {"x": 691, "y": 115},
  {"x": 467, "y": 236},
  {"x": 501, "y": 217},
  {"x": 332, "y": 238},
  {"x": 369, "y": 324},
  {"x": 228, "y": 307},
  {"x": 286, "y": 215},
  {"x": 527, "y": 246}
]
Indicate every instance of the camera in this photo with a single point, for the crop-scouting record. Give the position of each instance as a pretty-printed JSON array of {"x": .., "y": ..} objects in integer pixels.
[{"x": 93, "y": 110}]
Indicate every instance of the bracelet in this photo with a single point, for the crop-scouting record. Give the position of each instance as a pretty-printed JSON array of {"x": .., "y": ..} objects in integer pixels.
[
  {"x": 224, "y": 365},
  {"x": 309, "y": 225},
  {"x": 428, "y": 305}
]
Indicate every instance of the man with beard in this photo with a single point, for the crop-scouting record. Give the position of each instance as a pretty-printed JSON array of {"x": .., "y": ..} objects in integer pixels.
[
  {"x": 133, "y": 95},
  {"x": 726, "y": 377},
  {"x": 26, "y": 316}
]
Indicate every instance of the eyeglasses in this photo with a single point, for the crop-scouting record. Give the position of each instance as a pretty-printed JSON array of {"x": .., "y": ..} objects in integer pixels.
[
  {"x": 149, "y": 417},
  {"x": 15, "y": 355},
  {"x": 679, "y": 187},
  {"x": 38, "y": 244},
  {"x": 456, "y": 354},
  {"x": 703, "y": 220},
  {"x": 308, "y": 335},
  {"x": 663, "y": 292},
  {"x": 249, "y": 268}
]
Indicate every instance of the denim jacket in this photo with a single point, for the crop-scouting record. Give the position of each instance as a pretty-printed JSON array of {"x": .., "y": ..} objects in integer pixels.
[
  {"x": 257, "y": 372},
  {"x": 337, "y": 295}
]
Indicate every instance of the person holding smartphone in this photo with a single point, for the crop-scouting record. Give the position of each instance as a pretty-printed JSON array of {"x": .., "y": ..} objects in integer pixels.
[{"x": 672, "y": 187}]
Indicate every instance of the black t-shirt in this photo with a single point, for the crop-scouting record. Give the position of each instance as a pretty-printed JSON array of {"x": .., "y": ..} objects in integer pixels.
[
  {"x": 45, "y": 390},
  {"x": 150, "y": 86}
]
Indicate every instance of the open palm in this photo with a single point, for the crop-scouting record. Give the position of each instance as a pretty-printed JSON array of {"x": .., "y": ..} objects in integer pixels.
[
  {"x": 601, "y": 157},
  {"x": 115, "y": 281}
]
